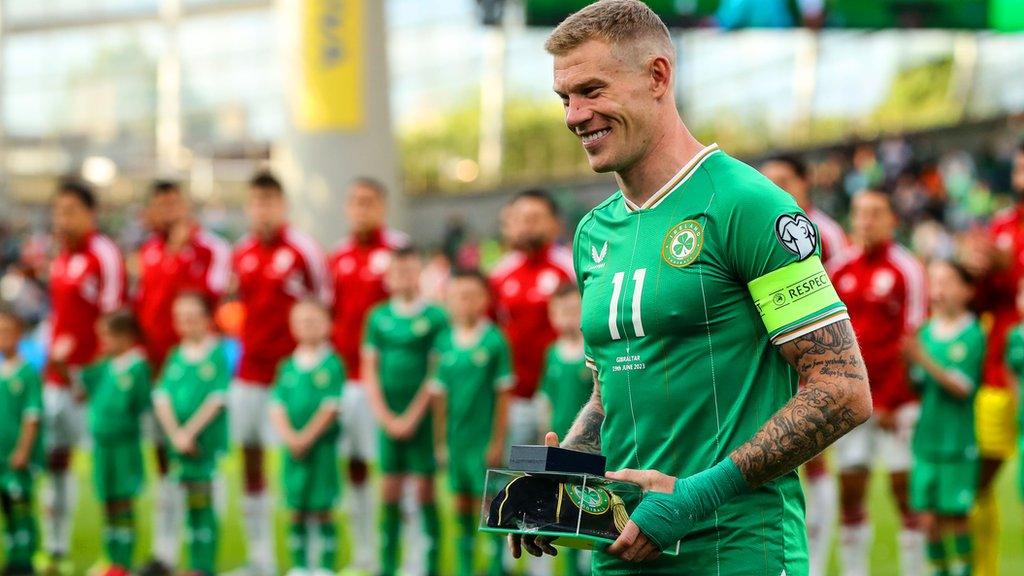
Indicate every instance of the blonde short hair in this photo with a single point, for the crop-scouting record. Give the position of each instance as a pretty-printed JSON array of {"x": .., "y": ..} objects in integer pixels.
[{"x": 625, "y": 23}]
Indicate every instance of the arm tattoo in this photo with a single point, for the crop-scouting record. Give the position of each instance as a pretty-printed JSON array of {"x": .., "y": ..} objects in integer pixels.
[
  {"x": 833, "y": 401},
  {"x": 585, "y": 434}
]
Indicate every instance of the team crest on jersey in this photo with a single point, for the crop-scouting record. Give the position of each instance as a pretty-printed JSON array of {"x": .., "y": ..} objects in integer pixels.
[
  {"x": 124, "y": 381},
  {"x": 283, "y": 260},
  {"x": 480, "y": 357},
  {"x": 590, "y": 500},
  {"x": 421, "y": 326},
  {"x": 76, "y": 266},
  {"x": 207, "y": 371},
  {"x": 797, "y": 234},
  {"x": 882, "y": 282},
  {"x": 957, "y": 352},
  {"x": 379, "y": 260},
  {"x": 15, "y": 386},
  {"x": 321, "y": 379},
  {"x": 683, "y": 243}
]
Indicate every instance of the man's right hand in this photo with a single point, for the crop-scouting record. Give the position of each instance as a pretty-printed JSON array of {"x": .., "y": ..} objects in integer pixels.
[{"x": 534, "y": 545}]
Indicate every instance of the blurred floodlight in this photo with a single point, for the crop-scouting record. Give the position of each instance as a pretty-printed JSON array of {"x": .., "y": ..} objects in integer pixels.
[
  {"x": 466, "y": 170},
  {"x": 99, "y": 170}
]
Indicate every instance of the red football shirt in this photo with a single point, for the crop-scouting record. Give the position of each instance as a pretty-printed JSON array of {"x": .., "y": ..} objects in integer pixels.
[
  {"x": 834, "y": 244},
  {"x": 357, "y": 268},
  {"x": 86, "y": 281},
  {"x": 884, "y": 291},
  {"x": 523, "y": 284},
  {"x": 202, "y": 265},
  {"x": 997, "y": 292},
  {"x": 273, "y": 274}
]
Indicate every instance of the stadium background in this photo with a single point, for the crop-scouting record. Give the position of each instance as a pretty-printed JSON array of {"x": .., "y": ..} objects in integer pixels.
[{"x": 449, "y": 102}]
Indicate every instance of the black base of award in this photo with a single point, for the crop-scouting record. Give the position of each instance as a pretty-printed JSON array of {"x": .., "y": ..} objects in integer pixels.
[{"x": 536, "y": 459}]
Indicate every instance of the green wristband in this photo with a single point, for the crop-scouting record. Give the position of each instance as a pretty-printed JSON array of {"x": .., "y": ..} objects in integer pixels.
[{"x": 667, "y": 518}]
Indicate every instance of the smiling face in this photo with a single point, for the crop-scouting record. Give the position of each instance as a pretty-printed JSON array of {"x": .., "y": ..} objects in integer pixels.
[{"x": 612, "y": 98}]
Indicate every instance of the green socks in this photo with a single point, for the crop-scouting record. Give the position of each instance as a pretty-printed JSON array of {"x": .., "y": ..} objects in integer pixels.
[
  {"x": 963, "y": 550},
  {"x": 119, "y": 535},
  {"x": 936, "y": 551},
  {"x": 328, "y": 545},
  {"x": 432, "y": 530},
  {"x": 21, "y": 532},
  {"x": 298, "y": 540},
  {"x": 202, "y": 529},
  {"x": 392, "y": 520},
  {"x": 467, "y": 536}
]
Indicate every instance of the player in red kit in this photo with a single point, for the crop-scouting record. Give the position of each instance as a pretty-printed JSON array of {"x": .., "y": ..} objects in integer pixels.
[
  {"x": 179, "y": 257},
  {"x": 790, "y": 174},
  {"x": 997, "y": 260},
  {"x": 883, "y": 286},
  {"x": 357, "y": 268},
  {"x": 274, "y": 266},
  {"x": 523, "y": 282},
  {"x": 87, "y": 280}
]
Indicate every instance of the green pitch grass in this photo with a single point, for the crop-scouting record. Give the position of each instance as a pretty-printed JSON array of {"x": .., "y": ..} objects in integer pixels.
[{"x": 86, "y": 544}]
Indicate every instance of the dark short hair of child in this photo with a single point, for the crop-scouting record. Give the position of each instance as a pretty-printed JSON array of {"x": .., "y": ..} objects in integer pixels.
[
  {"x": 123, "y": 323},
  {"x": 197, "y": 297},
  {"x": 472, "y": 274},
  {"x": 405, "y": 253},
  {"x": 565, "y": 289}
]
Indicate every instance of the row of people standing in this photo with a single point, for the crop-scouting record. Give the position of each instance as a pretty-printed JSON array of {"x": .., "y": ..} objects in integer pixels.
[{"x": 274, "y": 266}]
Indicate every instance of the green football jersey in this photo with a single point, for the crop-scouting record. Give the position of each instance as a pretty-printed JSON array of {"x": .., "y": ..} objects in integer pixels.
[
  {"x": 683, "y": 298},
  {"x": 945, "y": 428},
  {"x": 187, "y": 383},
  {"x": 568, "y": 384},
  {"x": 402, "y": 341},
  {"x": 302, "y": 391},
  {"x": 471, "y": 376},
  {"x": 21, "y": 397},
  {"x": 119, "y": 393}
]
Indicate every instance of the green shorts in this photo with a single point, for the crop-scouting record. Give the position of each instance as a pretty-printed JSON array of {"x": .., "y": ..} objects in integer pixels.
[
  {"x": 17, "y": 484},
  {"x": 188, "y": 469},
  {"x": 466, "y": 470},
  {"x": 118, "y": 471},
  {"x": 313, "y": 483},
  {"x": 412, "y": 456},
  {"x": 944, "y": 486}
]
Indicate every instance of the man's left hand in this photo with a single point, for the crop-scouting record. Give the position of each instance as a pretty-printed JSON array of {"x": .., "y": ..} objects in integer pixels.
[{"x": 632, "y": 544}]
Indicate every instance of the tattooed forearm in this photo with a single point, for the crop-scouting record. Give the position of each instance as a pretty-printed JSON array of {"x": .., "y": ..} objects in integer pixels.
[
  {"x": 585, "y": 434},
  {"x": 834, "y": 399}
]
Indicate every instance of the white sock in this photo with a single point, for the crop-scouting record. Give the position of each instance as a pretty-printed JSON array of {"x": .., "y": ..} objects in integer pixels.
[
  {"x": 414, "y": 542},
  {"x": 911, "y": 544},
  {"x": 854, "y": 543},
  {"x": 258, "y": 522},
  {"x": 59, "y": 502},
  {"x": 167, "y": 521},
  {"x": 362, "y": 514},
  {"x": 822, "y": 508}
]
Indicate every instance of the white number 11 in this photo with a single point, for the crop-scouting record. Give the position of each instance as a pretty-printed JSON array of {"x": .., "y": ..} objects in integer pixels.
[{"x": 613, "y": 309}]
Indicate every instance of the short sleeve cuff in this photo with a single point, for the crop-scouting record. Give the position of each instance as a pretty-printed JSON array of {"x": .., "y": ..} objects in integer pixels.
[
  {"x": 435, "y": 386},
  {"x": 31, "y": 414},
  {"x": 590, "y": 363},
  {"x": 331, "y": 403},
  {"x": 369, "y": 349}
]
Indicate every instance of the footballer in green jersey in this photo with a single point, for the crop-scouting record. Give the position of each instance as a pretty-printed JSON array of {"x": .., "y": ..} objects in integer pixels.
[
  {"x": 190, "y": 405},
  {"x": 704, "y": 303},
  {"x": 395, "y": 366},
  {"x": 118, "y": 392},
  {"x": 946, "y": 362},
  {"x": 305, "y": 404},
  {"x": 21, "y": 448},
  {"x": 472, "y": 382}
]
